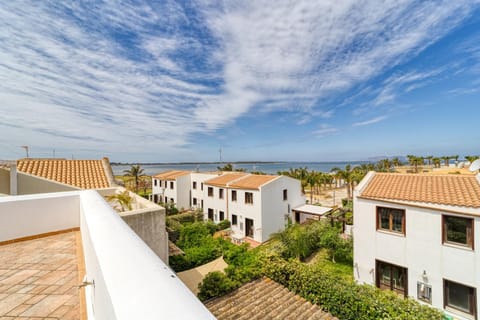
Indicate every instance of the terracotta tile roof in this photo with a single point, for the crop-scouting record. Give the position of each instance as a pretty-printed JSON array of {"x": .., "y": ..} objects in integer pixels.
[
  {"x": 264, "y": 299},
  {"x": 85, "y": 174},
  {"x": 171, "y": 175},
  {"x": 253, "y": 181},
  {"x": 456, "y": 190},
  {"x": 224, "y": 179}
]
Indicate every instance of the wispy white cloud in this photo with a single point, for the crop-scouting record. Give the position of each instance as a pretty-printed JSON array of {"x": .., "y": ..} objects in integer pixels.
[
  {"x": 325, "y": 130},
  {"x": 149, "y": 77},
  {"x": 370, "y": 121}
]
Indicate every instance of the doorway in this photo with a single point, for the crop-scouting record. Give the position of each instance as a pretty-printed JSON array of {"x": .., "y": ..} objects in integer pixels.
[{"x": 249, "y": 227}]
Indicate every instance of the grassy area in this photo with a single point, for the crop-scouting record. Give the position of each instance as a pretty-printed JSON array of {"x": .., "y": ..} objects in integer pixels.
[{"x": 322, "y": 260}]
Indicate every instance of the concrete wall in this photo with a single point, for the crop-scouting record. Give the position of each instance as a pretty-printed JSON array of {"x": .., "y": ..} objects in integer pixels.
[
  {"x": 29, "y": 184},
  {"x": 419, "y": 250},
  {"x": 4, "y": 181},
  {"x": 147, "y": 219},
  {"x": 275, "y": 210}
]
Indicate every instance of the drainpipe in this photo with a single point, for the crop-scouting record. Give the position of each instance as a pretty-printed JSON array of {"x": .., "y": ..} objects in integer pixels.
[{"x": 13, "y": 180}]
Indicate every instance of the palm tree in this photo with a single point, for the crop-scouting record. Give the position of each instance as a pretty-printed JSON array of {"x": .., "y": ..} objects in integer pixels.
[
  {"x": 436, "y": 162},
  {"x": 124, "y": 200},
  {"x": 136, "y": 172},
  {"x": 415, "y": 161},
  {"x": 471, "y": 158},
  {"x": 347, "y": 176},
  {"x": 429, "y": 158},
  {"x": 446, "y": 159},
  {"x": 396, "y": 162}
]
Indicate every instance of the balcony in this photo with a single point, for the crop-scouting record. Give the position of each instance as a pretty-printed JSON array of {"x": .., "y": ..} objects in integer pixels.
[{"x": 83, "y": 240}]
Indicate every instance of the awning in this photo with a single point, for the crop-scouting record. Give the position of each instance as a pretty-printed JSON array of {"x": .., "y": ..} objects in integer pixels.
[{"x": 311, "y": 209}]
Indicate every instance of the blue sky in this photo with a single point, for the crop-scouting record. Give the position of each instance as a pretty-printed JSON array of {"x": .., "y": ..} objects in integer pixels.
[{"x": 160, "y": 81}]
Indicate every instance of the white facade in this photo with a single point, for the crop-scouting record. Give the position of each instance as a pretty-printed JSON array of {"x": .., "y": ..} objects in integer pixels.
[
  {"x": 197, "y": 188},
  {"x": 429, "y": 263},
  {"x": 260, "y": 213},
  {"x": 172, "y": 190}
]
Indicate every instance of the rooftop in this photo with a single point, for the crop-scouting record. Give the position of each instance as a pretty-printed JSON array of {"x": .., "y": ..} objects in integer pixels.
[
  {"x": 455, "y": 190},
  {"x": 265, "y": 299},
  {"x": 311, "y": 209},
  {"x": 252, "y": 181},
  {"x": 39, "y": 278},
  {"x": 85, "y": 174},
  {"x": 171, "y": 175},
  {"x": 224, "y": 179}
]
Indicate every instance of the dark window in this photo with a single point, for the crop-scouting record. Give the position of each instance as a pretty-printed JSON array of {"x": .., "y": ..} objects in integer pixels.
[
  {"x": 222, "y": 215},
  {"x": 424, "y": 292},
  {"x": 391, "y": 277},
  {"x": 155, "y": 181},
  {"x": 248, "y": 197},
  {"x": 458, "y": 230},
  {"x": 210, "y": 214},
  {"x": 194, "y": 200},
  {"x": 285, "y": 194},
  {"x": 210, "y": 191},
  {"x": 459, "y": 297},
  {"x": 234, "y": 219},
  {"x": 234, "y": 195},
  {"x": 194, "y": 184},
  {"x": 171, "y": 200},
  {"x": 390, "y": 219},
  {"x": 220, "y": 193},
  {"x": 171, "y": 185},
  {"x": 166, "y": 184},
  {"x": 201, "y": 186}
]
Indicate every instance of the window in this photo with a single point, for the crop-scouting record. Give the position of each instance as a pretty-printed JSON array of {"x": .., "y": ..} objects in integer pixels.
[
  {"x": 391, "y": 277},
  {"x": 155, "y": 181},
  {"x": 424, "y": 292},
  {"x": 172, "y": 200},
  {"x": 194, "y": 184},
  {"x": 210, "y": 214},
  {"x": 234, "y": 219},
  {"x": 201, "y": 186},
  {"x": 166, "y": 184},
  {"x": 220, "y": 193},
  {"x": 459, "y": 297},
  {"x": 285, "y": 194},
  {"x": 248, "y": 197},
  {"x": 458, "y": 230},
  {"x": 210, "y": 191},
  {"x": 194, "y": 200},
  {"x": 222, "y": 215},
  {"x": 171, "y": 184},
  {"x": 234, "y": 195},
  {"x": 390, "y": 219}
]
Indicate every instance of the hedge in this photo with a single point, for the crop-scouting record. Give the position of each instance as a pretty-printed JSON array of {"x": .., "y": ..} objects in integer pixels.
[{"x": 343, "y": 298}]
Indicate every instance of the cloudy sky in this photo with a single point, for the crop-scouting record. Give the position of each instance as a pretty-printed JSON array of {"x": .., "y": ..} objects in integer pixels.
[{"x": 284, "y": 80}]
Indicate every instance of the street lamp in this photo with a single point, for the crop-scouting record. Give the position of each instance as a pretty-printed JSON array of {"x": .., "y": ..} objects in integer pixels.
[{"x": 26, "y": 149}]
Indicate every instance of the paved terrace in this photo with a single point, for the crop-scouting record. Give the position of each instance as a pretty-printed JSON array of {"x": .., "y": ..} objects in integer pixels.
[{"x": 39, "y": 278}]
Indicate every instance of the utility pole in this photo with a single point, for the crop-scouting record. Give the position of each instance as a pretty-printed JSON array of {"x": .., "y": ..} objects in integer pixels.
[
  {"x": 220, "y": 151},
  {"x": 26, "y": 149}
]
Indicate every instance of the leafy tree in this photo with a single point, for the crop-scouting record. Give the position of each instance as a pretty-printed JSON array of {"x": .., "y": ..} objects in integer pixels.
[
  {"x": 229, "y": 167},
  {"x": 136, "y": 172},
  {"x": 396, "y": 162},
  {"x": 471, "y": 158}
]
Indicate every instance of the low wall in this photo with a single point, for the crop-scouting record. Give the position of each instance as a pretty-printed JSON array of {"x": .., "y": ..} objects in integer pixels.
[{"x": 24, "y": 216}]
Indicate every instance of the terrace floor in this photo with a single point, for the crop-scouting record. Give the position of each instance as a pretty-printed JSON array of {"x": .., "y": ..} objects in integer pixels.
[{"x": 39, "y": 278}]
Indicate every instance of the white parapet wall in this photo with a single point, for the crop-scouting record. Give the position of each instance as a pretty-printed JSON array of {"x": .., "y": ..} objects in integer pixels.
[{"x": 130, "y": 281}]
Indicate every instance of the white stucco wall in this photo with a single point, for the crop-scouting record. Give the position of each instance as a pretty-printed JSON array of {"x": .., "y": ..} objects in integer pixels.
[
  {"x": 200, "y": 193},
  {"x": 182, "y": 190},
  {"x": 247, "y": 210},
  {"x": 215, "y": 202},
  {"x": 420, "y": 250},
  {"x": 274, "y": 208}
]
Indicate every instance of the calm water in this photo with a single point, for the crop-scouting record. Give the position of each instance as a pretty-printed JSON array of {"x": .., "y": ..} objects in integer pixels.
[{"x": 271, "y": 168}]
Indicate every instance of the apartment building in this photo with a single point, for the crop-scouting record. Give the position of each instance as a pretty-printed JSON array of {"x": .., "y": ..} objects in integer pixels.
[
  {"x": 256, "y": 205},
  {"x": 415, "y": 234},
  {"x": 172, "y": 187}
]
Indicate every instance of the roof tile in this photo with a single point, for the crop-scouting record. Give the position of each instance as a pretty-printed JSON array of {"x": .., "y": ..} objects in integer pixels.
[
  {"x": 171, "y": 175},
  {"x": 85, "y": 174},
  {"x": 456, "y": 190}
]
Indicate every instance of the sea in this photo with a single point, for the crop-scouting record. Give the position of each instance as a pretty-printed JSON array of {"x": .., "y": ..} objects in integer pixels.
[{"x": 266, "y": 167}]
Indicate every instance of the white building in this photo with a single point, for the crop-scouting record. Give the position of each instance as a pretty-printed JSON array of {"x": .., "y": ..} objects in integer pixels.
[
  {"x": 256, "y": 205},
  {"x": 415, "y": 234},
  {"x": 170, "y": 186}
]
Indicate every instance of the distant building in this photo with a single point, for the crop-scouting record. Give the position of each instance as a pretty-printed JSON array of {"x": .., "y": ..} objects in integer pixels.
[
  {"x": 256, "y": 205},
  {"x": 416, "y": 235}
]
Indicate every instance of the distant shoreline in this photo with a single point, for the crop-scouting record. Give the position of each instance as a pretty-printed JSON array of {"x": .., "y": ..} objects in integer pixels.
[{"x": 223, "y": 162}]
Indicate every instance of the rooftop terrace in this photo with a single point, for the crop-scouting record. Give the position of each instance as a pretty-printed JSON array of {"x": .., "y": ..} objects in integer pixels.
[{"x": 39, "y": 278}]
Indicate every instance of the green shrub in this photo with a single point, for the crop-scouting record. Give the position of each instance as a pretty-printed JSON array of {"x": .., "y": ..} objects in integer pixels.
[
  {"x": 343, "y": 298},
  {"x": 222, "y": 225},
  {"x": 193, "y": 235},
  {"x": 215, "y": 284}
]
